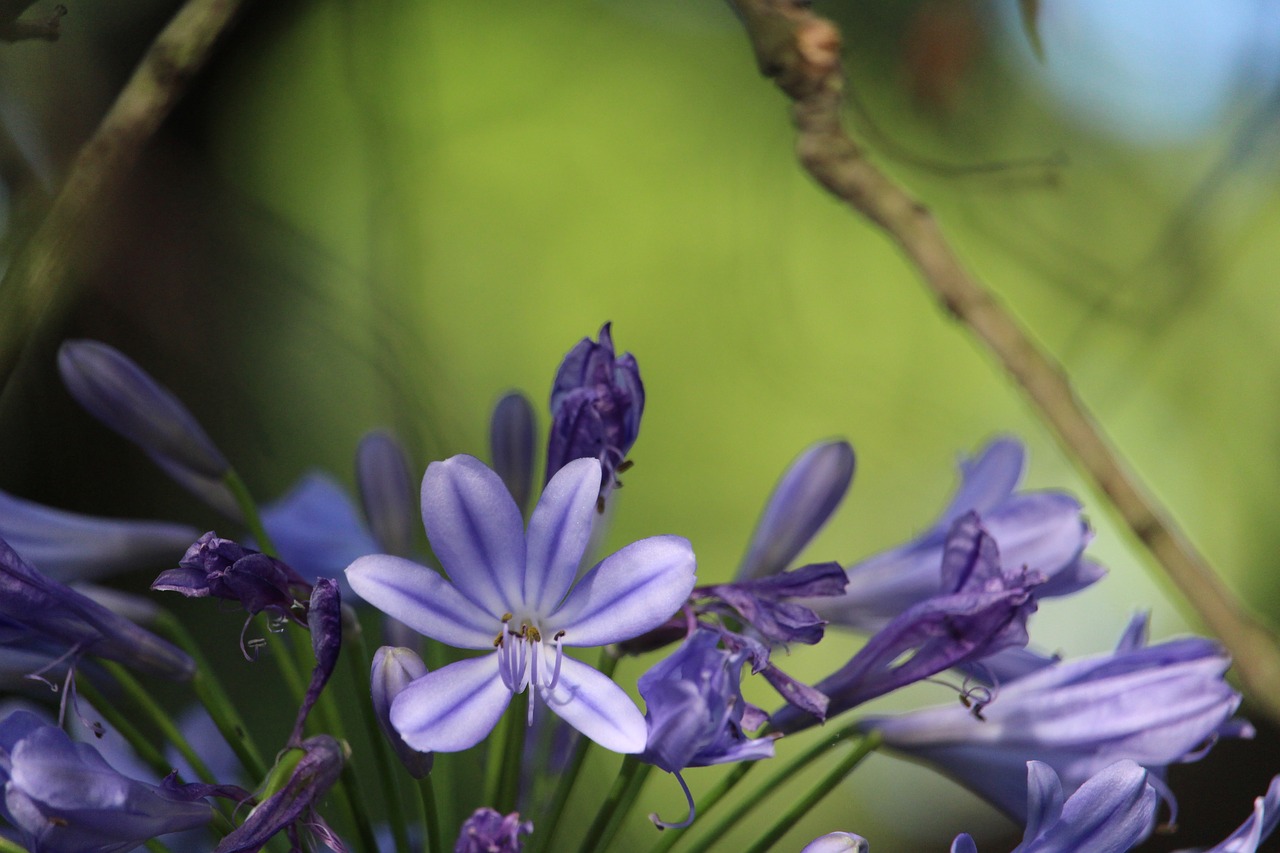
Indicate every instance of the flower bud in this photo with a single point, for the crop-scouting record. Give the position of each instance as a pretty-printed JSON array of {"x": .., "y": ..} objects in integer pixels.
[
  {"x": 387, "y": 492},
  {"x": 394, "y": 668},
  {"x": 511, "y": 437}
]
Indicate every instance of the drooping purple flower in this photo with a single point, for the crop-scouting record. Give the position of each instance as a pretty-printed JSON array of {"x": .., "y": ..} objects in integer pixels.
[
  {"x": 768, "y": 604},
  {"x": 810, "y": 490},
  {"x": 317, "y": 765},
  {"x": 1156, "y": 705},
  {"x": 596, "y": 404},
  {"x": 487, "y": 831},
  {"x": 386, "y": 493},
  {"x": 980, "y": 611},
  {"x": 511, "y": 439},
  {"x": 52, "y": 611},
  {"x": 63, "y": 797},
  {"x": 69, "y": 546},
  {"x": 1114, "y": 811},
  {"x": 511, "y": 593},
  {"x": 118, "y": 392},
  {"x": 225, "y": 569},
  {"x": 1256, "y": 829},
  {"x": 324, "y": 622},
  {"x": 1041, "y": 531},
  {"x": 695, "y": 711},
  {"x": 394, "y": 669}
]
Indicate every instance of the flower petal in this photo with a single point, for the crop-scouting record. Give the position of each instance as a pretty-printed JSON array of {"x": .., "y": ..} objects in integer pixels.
[
  {"x": 423, "y": 600},
  {"x": 594, "y": 705},
  {"x": 453, "y": 708},
  {"x": 628, "y": 593},
  {"x": 476, "y": 531},
  {"x": 558, "y": 533}
]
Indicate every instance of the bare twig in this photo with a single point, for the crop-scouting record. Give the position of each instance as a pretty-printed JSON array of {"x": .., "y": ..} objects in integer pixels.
[
  {"x": 39, "y": 279},
  {"x": 801, "y": 52}
]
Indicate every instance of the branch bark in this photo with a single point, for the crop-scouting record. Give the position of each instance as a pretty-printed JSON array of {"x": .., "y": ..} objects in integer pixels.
[
  {"x": 40, "y": 280},
  {"x": 800, "y": 51}
]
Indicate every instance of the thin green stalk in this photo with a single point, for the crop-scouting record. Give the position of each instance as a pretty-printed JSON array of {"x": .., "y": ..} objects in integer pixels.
[
  {"x": 159, "y": 717},
  {"x": 430, "y": 816},
  {"x": 564, "y": 787},
  {"x": 777, "y": 780},
  {"x": 7, "y": 846},
  {"x": 595, "y": 833},
  {"x": 209, "y": 691},
  {"x": 155, "y": 845},
  {"x": 358, "y": 661},
  {"x": 512, "y": 753},
  {"x": 249, "y": 507},
  {"x": 625, "y": 804},
  {"x": 709, "y": 801},
  {"x": 828, "y": 784},
  {"x": 141, "y": 744}
]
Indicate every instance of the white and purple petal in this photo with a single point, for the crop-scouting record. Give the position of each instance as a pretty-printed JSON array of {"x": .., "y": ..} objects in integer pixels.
[
  {"x": 590, "y": 702},
  {"x": 453, "y": 708},
  {"x": 628, "y": 593},
  {"x": 423, "y": 600},
  {"x": 476, "y": 532},
  {"x": 559, "y": 531}
]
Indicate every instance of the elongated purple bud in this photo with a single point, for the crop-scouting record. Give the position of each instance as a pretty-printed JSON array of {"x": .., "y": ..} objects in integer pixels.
[
  {"x": 387, "y": 492},
  {"x": 800, "y": 505},
  {"x": 120, "y": 394},
  {"x": 53, "y": 611},
  {"x": 394, "y": 668},
  {"x": 512, "y": 435},
  {"x": 324, "y": 619}
]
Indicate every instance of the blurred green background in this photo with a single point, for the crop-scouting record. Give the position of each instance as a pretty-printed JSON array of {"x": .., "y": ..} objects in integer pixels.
[{"x": 390, "y": 213}]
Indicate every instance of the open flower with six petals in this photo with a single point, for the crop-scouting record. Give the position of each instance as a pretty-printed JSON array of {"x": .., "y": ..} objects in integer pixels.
[{"x": 509, "y": 591}]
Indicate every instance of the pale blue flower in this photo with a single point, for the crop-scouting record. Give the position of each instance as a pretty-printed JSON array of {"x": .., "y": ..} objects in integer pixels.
[
  {"x": 510, "y": 592},
  {"x": 1156, "y": 705}
]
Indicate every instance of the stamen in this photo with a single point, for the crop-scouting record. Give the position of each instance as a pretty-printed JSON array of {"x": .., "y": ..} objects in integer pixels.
[
  {"x": 555, "y": 674},
  {"x": 693, "y": 811}
]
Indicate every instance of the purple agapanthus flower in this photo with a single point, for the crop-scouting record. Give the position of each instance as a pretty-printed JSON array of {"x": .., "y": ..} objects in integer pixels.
[
  {"x": 512, "y": 435},
  {"x": 1156, "y": 705},
  {"x": 1042, "y": 531},
  {"x": 695, "y": 710},
  {"x": 48, "y": 610},
  {"x": 63, "y": 797},
  {"x": 596, "y": 403},
  {"x": 386, "y": 493},
  {"x": 510, "y": 592},
  {"x": 317, "y": 765},
  {"x": 488, "y": 831},
  {"x": 221, "y": 568},
  {"x": 1114, "y": 811},
  {"x": 981, "y": 610},
  {"x": 1256, "y": 829}
]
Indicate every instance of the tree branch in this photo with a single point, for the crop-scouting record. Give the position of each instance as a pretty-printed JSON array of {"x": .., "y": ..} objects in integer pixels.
[
  {"x": 801, "y": 52},
  {"x": 39, "y": 280}
]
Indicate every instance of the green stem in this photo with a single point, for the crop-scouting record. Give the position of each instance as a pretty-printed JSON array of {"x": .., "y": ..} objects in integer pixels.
[
  {"x": 512, "y": 753},
  {"x": 828, "y": 784},
  {"x": 709, "y": 801},
  {"x": 159, "y": 717},
  {"x": 430, "y": 816},
  {"x": 141, "y": 744},
  {"x": 595, "y": 834},
  {"x": 564, "y": 787},
  {"x": 625, "y": 804},
  {"x": 209, "y": 691},
  {"x": 7, "y": 846},
  {"x": 358, "y": 661},
  {"x": 249, "y": 507}
]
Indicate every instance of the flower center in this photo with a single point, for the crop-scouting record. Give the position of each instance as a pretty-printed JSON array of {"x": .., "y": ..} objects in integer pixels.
[{"x": 526, "y": 659}]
